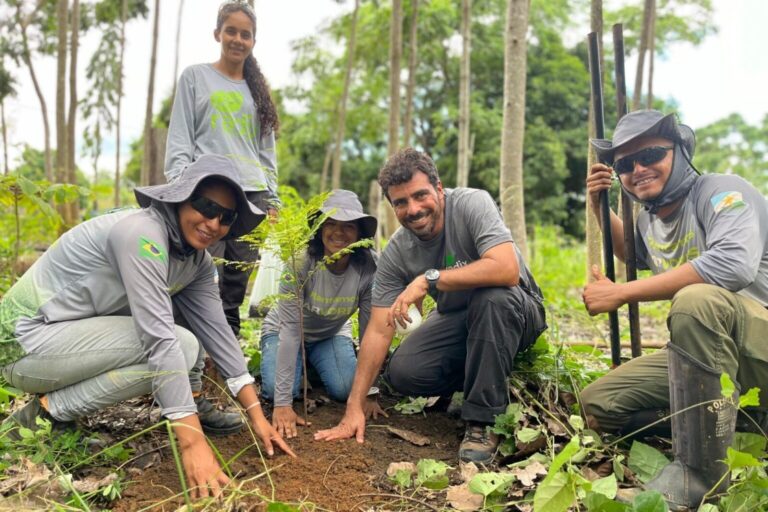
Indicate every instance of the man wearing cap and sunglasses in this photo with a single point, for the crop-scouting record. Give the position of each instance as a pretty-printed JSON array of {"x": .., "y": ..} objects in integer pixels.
[
  {"x": 706, "y": 240},
  {"x": 91, "y": 323},
  {"x": 454, "y": 246}
]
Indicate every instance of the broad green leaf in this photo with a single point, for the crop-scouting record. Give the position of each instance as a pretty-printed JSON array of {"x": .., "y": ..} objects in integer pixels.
[
  {"x": 618, "y": 468},
  {"x": 645, "y": 461},
  {"x": 411, "y": 405},
  {"x": 736, "y": 459},
  {"x": 277, "y": 506},
  {"x": 754, "y": 444},
  {"x": 649, "y": 501},
  {"x": 708, "y": 507},
  {"x": 596, "y": 502},
  {"x": 750, "y": 399},
  {"x": 606, "y": 486},
  {"x": 28, "y": 187},
  {"x": 402, "y": 478},
  {"x": 526, "y": 434},
  {"x": 554, "y": 494},
  {"x": 564, "y": 456},
  {"x": 490, "y": 483},
  {"x": 727, "y": 386},
  {"x": 432, "y": 474},
  {"x": 576, "y": 422}
]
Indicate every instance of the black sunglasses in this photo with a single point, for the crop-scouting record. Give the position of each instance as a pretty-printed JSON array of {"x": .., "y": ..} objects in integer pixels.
[
  {"x": 211, "y": 210},
  {"x": 644, "y": 157}
]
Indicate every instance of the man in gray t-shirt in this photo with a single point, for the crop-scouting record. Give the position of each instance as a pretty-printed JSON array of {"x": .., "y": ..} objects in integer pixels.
[
  {"x": 454, "y": 246},
  {"x": 706, "y": 240}
]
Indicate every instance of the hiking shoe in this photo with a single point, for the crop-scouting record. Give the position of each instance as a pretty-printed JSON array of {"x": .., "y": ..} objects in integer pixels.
[
  {"x": 479, "y": 444},
  {"x": 216, "y": 422},
  {"x": 27, "y": 417}
]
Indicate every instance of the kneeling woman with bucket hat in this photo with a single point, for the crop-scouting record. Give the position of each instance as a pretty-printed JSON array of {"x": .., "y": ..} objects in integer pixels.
[
  {"x": 91, "y": 323},
  {"x": 330, "y": 296}
]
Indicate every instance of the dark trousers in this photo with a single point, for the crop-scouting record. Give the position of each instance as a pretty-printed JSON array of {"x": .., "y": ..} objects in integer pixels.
[
  {"x": 233, "y": 278},
  {"x": 471, "y": 349}
]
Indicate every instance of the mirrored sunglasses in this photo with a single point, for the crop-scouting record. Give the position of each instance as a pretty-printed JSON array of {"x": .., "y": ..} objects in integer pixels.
[
  {"x": 644, "y": 157},
  {"x": 212, "y": 210}
]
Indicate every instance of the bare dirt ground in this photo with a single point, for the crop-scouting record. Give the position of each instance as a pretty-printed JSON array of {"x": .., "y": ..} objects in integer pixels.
[{"x": 339, "y": 476}]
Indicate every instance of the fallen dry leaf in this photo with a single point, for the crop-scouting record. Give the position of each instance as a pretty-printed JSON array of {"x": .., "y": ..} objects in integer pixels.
[
  {"x": 23, "y": 475},
  {"x": 468, "y": 470},
  {"x": 555, "y": 427},
  {"x": 528, "y": 474},
  {"x": 461, "y": 498},
  {"x": 410, "y": 436},
  {"x": 90, "y": 484},
  {"x": 394, "y": 467}
]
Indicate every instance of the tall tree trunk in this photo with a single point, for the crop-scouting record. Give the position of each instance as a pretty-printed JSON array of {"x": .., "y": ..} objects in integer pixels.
[
  {"x": 5, "y": 137},
  {"x": 413, "y": 53},
  {"x": 147, "y": 159},
  {"x": 395, "y": 52},
  {"x": 326, "y": 166},
  {"x": 61, "y": 92},
  {"x": 26, "y": 57},
  {"x": 637, "y": 94},
  {"x": 123, "y": 19},
  {"x": 594, "y": 240},
  {"x": 651, "y": 51},
  {"x": 462, "y": 168},
  {"x": 342, "y": 119},
  {"x": 74, "y": 206},
  {"x": 178, "y": 44},
  {"x": 513, "y": 123}
]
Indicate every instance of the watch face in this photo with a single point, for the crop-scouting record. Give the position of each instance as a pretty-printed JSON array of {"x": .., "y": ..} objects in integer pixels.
[{"x": 432, "y": 274}]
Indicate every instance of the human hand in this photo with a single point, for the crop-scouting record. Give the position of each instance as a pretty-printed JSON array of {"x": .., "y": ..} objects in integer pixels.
[
  {"x": 204, "y": 475},
  {"x": 352, "y": 424},
  {"x": 413, "y": 294},
  {"x": 599, "y": 178},
  {"x": 270, "y": 436},
  {"x": 373, "y": 410},
  {"x": 602, "y": 295},
  {"x": 285, "y": 419}
]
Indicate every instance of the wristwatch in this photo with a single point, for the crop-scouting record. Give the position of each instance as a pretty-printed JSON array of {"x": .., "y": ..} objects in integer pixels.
[{"x": 432, "y": 276}]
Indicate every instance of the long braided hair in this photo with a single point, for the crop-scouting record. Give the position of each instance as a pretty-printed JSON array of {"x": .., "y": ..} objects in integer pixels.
[{"x": 265, "y": 107}]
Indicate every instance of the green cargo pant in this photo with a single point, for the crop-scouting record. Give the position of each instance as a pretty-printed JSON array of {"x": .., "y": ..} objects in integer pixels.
[{"x": 722, "y": 329}]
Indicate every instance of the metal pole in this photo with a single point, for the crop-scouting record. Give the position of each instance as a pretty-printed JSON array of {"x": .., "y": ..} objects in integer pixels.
[
  {"x": 605, "y": 209},
  {"x": 627, "y": 215}
]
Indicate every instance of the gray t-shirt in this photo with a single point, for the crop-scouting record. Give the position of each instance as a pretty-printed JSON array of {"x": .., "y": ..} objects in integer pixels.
[
  {"x": 473, "y": 224},
  {"x": 721, "y": 228},
  {"x": 213, "y": 114},
  {"x": 123, "y": 264},
  {"x": 329, "y": 300}
]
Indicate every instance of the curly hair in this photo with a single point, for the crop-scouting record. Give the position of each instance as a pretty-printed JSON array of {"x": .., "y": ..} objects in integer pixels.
[
  {"x": 265, "y": 107},
  {"x": 399, "y": 169}
]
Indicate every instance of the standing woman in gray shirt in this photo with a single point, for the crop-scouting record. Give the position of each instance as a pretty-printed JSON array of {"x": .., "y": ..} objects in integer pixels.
[
  {"x": 225, "y": 108},
  {"x": 331, "y": 294}
]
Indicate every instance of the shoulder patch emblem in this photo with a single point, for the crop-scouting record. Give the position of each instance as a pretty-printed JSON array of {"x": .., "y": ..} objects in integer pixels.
[
  {"x": 151, "y": 250},
  {"x": 727, "y": 201}
]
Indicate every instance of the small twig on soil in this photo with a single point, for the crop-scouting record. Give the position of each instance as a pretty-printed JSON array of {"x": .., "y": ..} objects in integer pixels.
[
  {"x": 326, "y": 473},
  {"x": 400, "y": 497}
]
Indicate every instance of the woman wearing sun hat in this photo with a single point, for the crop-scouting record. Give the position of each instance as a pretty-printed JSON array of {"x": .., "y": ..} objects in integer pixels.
[
  {"x": 331, "y": 295},
  {"x": 91, "y": 323}
]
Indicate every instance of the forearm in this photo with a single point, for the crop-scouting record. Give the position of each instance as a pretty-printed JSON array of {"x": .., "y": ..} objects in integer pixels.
[
  {"x": 373, "y": 350},
  {"x": 250, "y": 402},
  {"x": 497, "y": 267},
  {"x": 188, "y": 431},
  {"x": 661, "y": 286}
]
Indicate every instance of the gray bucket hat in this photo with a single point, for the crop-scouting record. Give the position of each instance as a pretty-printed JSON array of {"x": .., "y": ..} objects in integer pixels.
[
  {"x": 207, "y": 166},
  {"x": 645, "y": 123},
  {"x": 344, "y": 206}
]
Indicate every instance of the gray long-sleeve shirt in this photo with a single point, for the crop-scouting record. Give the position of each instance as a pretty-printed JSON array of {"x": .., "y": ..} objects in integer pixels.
[
  {"x": 721, "y": 228},
  {"x": 329, "y": 300},
  {"x": 124, "y": 263},
  {"x": 215, "y": 114}
]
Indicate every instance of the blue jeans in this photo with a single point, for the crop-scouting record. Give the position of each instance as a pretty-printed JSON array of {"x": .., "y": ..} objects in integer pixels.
[{"x": 333, "y": 358}]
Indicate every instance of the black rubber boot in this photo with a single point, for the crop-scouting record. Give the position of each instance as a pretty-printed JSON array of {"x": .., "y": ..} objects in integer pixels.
[
  {"x": 701, "y": 434},
  {"x": 216, "y": 422}
]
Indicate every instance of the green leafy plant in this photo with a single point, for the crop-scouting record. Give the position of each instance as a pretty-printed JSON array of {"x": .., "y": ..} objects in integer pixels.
[{"x": 431, "y": 474}]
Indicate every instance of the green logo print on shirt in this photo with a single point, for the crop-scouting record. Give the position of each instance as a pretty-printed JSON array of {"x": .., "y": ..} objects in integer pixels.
[
  {"x": 226, "y": 117},
  {"x": 151, "y": 250}
]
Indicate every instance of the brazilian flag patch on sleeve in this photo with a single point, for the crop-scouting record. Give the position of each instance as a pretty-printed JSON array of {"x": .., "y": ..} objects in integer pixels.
[
  {"x": 727, "y": 201},
  {"x": 151, "y": 250}
]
